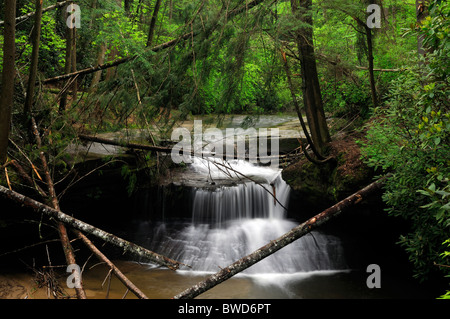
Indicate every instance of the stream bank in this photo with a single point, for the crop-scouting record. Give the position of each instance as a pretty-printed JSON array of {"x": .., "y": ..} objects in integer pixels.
[{"x": 102, "y": 199}]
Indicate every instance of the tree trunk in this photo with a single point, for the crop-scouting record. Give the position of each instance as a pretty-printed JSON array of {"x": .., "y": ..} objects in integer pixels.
[
  {"x": 116, "y": 271},
  {"x": 68, "y": 65},
  {"x": 127, "y": 7},
  {"x": 300, "y": 116},
  {"x": 151, "y": 31},
  {"x": 34, "y": 59},
  {"x": 70, "y": 221},
  {"x": 65, "y": 241},
  {"x": 26, "y": 16},
  {"x": 312, "y": 97},
  {"x": 74, "y": 64},
  {"x": 8, "y": 76},
  {"x": 86, "y": 241},
  {"x": 275, "y": 245},
  {"x": 100, "y": 60},
  {"x": 125, "y": 144},
  {"x": 421, "y": 13},
  {"x": 373, "y": 89}
]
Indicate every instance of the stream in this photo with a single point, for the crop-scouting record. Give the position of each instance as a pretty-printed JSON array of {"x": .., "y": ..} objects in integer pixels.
[
  {"x": 207, "y": 217},
  {"x": 230, "y": 218}
]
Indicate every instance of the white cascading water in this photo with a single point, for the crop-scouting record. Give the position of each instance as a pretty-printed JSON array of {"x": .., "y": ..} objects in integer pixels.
[{"x": 229, "y": 222}]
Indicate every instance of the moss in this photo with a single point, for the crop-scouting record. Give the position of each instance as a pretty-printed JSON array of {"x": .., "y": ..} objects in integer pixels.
[{"x": 320, "y": 186}]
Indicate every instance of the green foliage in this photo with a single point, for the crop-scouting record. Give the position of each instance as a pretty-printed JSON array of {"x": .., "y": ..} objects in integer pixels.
[
  {"x": 447, "y": 255},
  {"x": 343, "y": 97},
  {"x": 52, "y": 44},
  {"x": 410, "y": 138}
]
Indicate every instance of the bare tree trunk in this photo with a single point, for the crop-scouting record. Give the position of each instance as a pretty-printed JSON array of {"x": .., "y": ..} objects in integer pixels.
[
  {"x": 116, "y": 271},
  {"x": 312, "y": 97},
  {"x": 65, "y": 241},
  {"x": 8, "y": 76},
  {"x": 80, "y": 235},
  {"x": 373, "y": 89},
  {"x": 275, "y": 245},
  {"x": 72, "y": 222},
  {"x": 421, "y": 13},
  {"x": 151, "y": 31},
  {"x": 125, "y": 144},
  {"x": 74, "y": 64},
  {"x": 300, "y": 116},
  {"x": 68, "y": 65},
  {"x": 26, "y": 16},
  {"x": 127, "y": 7},
  {"x": 34, "y": 59},
  {"x": 100, "y": 60}
]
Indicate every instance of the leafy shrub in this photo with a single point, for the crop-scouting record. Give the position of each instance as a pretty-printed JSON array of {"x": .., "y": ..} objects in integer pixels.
[{"x": 410, "y": 138}]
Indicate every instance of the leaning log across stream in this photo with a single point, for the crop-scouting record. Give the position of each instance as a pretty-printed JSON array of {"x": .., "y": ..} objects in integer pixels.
[
  {"x": 275, "y": 245},
  {"x": 127, "y": 246}
]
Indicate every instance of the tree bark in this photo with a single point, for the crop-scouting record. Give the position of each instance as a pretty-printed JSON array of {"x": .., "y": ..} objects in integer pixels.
[
  {"x": 74, "y": 64},
  {"x": 100, "y": 60},
  {"x": 277, "y": 244},
  {"x": 70, "y": 221},
  {"x": 68, "y": 65},
  {"x": 421, "y": 13},
  {"x": 8, "y": 75},
  {"x": 65, "y": 241},
  {"x": 300, "y": 116},
  {"x": 115, "y": 270},
  {"x": 34, "y": 59},
  {"x": 124, "y": 144},
  {"x": 373, "y": 89},
  {"x": 80, "y": 235},
  {"x": 28, "y": 15},
  {"x": 151, "y": 31},
  {"x": 312, "y": 97}
]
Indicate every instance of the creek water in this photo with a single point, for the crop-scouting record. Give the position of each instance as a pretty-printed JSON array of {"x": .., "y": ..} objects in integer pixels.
[{"x": 231, "y": 220}]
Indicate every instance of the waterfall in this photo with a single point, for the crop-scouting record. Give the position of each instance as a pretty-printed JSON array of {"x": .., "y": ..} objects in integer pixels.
[{"x": 229, "y": 222}]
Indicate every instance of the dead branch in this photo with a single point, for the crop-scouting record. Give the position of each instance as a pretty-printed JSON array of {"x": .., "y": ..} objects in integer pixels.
[
  {"x": 87, "y": 242},
  {"x": 125, "y": 144},
  {"x": 72, "y": 222},
  {"x": 114, "y": 269},
  {"x": 275, "y": 245},
  {"x": 381, "y": 70},
  {"x": 67, "y": 247}
]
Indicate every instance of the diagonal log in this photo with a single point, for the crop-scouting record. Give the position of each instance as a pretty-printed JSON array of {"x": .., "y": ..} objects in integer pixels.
[
  {"x": 125, "y": 144},
  {"x": 86, "y": 241},
  {"x": 115, "y": 270},
  {"x": 128, "y": 247},
  {"x": 65, "y": 241},
  {"x": 275, "y": 245}
]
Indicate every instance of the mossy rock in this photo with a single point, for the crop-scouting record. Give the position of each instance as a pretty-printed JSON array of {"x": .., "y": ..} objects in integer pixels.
[{"x": 320, "y": 186}]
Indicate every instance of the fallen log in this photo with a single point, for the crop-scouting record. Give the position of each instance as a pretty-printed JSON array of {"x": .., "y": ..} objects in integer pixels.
[
  {"x": 128, "y": 247},
  {"x": 168, "y": 150},
  {"x": 125, "y": 144},
  {"x": 381, "y": 70},
  {"x": 277, "y": 244},
  {"x": 86, "y": 241},
  {"x": 65, "y": 241},
  {"x": 114, "y": 269}
]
